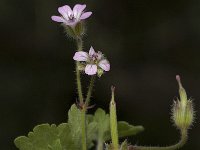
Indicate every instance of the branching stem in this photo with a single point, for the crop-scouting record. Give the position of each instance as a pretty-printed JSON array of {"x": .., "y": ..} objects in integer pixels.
[
  {"x": 83, "y": 104},
  {"x": 79, "y": 43}
]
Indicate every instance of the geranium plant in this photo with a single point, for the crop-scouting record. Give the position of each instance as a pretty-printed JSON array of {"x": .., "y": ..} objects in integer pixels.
[{"x": 100, "y": 130}]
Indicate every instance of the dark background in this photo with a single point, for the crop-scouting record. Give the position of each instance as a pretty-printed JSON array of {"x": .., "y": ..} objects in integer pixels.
[{"x": 147, "y": 43}]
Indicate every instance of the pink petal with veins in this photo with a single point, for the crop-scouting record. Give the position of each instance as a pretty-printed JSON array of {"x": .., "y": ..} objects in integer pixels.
[
  {"x": 57, "y": 19},
  {"x": 85, "y": 15},
  {"x": 91, "y": 69},
  {"x": 78, "y": 9},
  {"x": 104, "y": 64},
  {"x": 91, "y": 51},
  {"x": 81, "y": 56}
]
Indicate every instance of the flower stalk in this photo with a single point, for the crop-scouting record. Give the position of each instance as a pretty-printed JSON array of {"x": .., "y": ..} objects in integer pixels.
[
  {"x": 89, "y": 93},
  {"x": 181, "y": 143},
  {"x": 182, "y": 116},
  {"x": 78, "y": 77}
]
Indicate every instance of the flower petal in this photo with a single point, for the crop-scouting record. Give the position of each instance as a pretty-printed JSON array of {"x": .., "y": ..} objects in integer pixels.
[
  {"x": 65, "y": 11},
  {"x": 78, "y": 9},
  {"x": 91, "y": 69},
  {"x": 67, "y": 8},
  {"x": 104, "y": 64},
  {"x": 91, "y": 51},
  {"x": 99, "y": 55},
  {"x": 85, "y": 15},
  {"x": 57, "y": 19},
  {"x": 81, "y": 56}
]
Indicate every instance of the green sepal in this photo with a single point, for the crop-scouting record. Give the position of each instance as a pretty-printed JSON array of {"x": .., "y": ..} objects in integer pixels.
[
  {"x": 124, "y": 145},
  {"x": 75, "y": 31}
]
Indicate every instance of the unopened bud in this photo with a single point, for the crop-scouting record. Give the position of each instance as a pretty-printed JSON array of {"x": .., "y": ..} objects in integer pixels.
[
  {"x": 81, "y": 66},
  {"x": 100, "y": 72},
  {"x": 183, "y": 113},
  {"x": 113, "y": 121},
  {"x": 182, "y": 92}
]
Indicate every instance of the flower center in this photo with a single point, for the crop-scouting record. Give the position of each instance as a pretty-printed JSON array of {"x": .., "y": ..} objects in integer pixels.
[
  {"x": 94, "y": 59},
  {"x": 71, "y": 17}
]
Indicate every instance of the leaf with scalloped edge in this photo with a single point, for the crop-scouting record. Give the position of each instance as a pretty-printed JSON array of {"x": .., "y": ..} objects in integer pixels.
[
  {"x": 67, "y": 136},
  {"x": 103, "y": 123},
  {"x": 125, "y": 129},
  {"x": 103, "y": 127},
  {"x": 43, "y": 137},
  {"x": 64, "y": 136}
]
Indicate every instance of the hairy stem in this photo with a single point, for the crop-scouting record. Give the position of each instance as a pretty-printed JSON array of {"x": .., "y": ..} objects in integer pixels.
[
  {"x": 79, "y": 86},
  {"x": 89, "y": 93},
  {"x": 180, "y": 144},
  {"x": 79, "y": 43},
  {"x": 100, "y": 145},
  {"x": 83, "y": 125}
]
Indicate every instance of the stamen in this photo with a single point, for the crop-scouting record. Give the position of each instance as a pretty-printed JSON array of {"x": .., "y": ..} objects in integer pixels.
[{"x": 71, "y": 16}]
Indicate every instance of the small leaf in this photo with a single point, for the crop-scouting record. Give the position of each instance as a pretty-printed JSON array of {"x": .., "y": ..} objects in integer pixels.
[
  {"x": 70, "y": 133},
  {"x": 103, "y": 122},
  {"x": 103, "y": 127},
  {"x": 125, "y": 129},
  {"x": 91, "y": 133}
]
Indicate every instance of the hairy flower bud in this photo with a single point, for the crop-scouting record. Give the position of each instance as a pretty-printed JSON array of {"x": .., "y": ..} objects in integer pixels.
[
  {"x": 81, "y": 66},
  {"x": 183, "y": 113}
]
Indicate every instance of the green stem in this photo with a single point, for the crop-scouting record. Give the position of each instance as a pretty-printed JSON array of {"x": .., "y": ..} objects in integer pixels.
[
  {"x": 79, "y": 86},
  {"x": 89, "y": 93},
  {"x": 79, "y": 43},
  {"x": 180, "y": 144},
  {"x": 83, "y": 125},
  {"x": 100, "y": 144}
]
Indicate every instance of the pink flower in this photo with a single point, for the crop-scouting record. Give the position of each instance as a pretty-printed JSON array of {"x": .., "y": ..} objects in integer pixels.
[
  {"x": 95, "y": 63},
  {"x": 71, "y": 17}
]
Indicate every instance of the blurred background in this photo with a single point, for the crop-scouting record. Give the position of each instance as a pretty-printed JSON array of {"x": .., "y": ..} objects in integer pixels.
[{"x": 147, "y": 43}]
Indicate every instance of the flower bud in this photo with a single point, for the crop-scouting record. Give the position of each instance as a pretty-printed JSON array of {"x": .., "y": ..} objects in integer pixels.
[
  {"x": 81, "y": 66},
  {"x": 100, "y": 72},
  {"x": 183, "y": 113}
]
